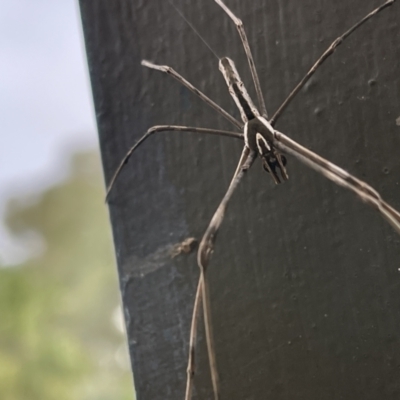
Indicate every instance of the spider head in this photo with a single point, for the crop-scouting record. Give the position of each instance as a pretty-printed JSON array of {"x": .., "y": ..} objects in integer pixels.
[
  {"x": 274, "y": 161},
  {"x": 271, "y": 158}
]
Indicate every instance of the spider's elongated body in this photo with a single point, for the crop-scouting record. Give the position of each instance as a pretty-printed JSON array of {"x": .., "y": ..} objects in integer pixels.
[
  {"x": 260, "y": 139},
  {"x": 255, "y": 128}
]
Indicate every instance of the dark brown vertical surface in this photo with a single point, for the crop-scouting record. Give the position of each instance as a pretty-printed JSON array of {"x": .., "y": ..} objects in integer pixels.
[{"x": 304, "y": 280}]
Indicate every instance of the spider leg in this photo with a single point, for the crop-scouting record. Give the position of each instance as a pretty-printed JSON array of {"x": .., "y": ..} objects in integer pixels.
[
  {"x": 165, "y": 128},
  {"x": 323, "y": 57},
  {"x": 191, "y": 368},
  {"x": 246, "y": 45},
  {"x": 338, "y": 176},
  {"x": 168, "y": 70},
  {"x": 203, "y": 256}
]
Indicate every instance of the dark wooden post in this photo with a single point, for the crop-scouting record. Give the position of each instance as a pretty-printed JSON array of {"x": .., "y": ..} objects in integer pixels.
[{"x": 304, "y": 281}]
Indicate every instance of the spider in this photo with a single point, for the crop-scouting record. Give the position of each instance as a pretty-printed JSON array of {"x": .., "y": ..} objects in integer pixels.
[{"x": 261, "y": 140}]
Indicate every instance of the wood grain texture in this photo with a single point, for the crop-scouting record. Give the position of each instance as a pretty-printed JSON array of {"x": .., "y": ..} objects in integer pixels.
[{"x": 304, "y": 280}]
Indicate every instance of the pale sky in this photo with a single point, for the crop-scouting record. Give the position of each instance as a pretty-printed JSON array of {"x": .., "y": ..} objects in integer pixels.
[{"x": 46, "y": 107}]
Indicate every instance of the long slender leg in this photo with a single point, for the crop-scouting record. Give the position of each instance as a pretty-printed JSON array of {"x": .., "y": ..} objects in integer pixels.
[
  {"x": 243, "y": 37},
  {"x": 164, "y": 128},
  {"x": 192, "y": 340},
  {"x": 323, "y": 57},
  {"x": 338, "y": 176},
  {"x": 203, "y": 256},
  {"x": 243, "y": 165},
  {"x": 168, "y": 70}
]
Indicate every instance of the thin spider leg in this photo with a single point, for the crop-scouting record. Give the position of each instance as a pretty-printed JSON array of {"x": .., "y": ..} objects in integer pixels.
[
  {"x": 164, "y": 128},
  {"x": 199, "y": 296},
  {"x": 170, "y": 71},
  {"x": 198, "y": 300},
  {"x": 338, "y": 176},
  {"x": 204, "y": 253},
  {"x": 324, "y": 56},
  {"x": 245, "y": 42},
  {"x": 191, "y": 368}
]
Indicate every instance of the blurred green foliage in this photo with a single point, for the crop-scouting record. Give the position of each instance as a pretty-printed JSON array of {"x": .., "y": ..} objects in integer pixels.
[{"x": 59, "y": 311}]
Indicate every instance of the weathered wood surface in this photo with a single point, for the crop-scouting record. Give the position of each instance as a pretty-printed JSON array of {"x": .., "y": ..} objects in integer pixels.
[{"x": 304, "y": 280}]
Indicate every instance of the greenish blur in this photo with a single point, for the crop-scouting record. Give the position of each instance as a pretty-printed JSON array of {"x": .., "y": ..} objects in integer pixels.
[{"x": 59, "y": 311}]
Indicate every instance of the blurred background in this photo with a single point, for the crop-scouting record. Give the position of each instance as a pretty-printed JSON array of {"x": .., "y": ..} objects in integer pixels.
[{"x": 61, "y": 327}]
